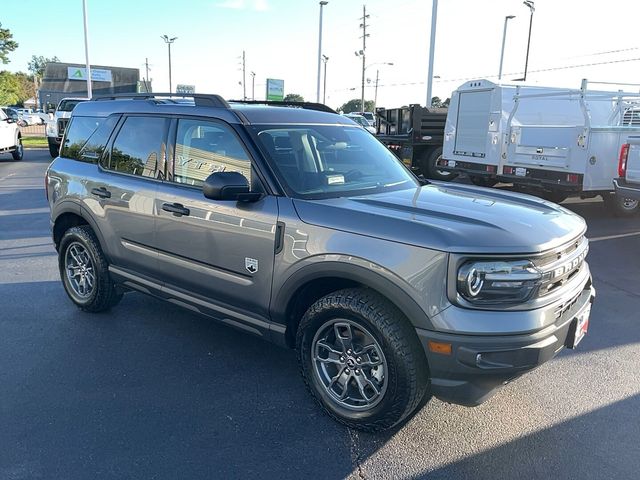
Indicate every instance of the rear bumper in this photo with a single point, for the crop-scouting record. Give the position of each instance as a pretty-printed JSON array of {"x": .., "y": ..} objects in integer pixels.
[
  {"x": 479, "y": 364},
  {"x": 549, "y": 179},
  {"x": 470, "y": 168},
  {"x": 625, "y": 189}
]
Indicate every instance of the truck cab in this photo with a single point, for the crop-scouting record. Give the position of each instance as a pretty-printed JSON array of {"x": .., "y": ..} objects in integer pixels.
[{"x": 58, "y": 124}]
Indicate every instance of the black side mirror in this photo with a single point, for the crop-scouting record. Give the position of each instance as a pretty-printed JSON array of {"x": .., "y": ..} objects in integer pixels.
[
  {"x": 229, "y": 186},
  {"x": 9, "y": 120}
]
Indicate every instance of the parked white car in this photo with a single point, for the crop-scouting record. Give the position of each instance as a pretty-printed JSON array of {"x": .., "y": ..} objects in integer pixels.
[
  {"x": 30, "y": 117},
  {"x": 10, "y": 138},
  {"x": 362, "y": 121}
]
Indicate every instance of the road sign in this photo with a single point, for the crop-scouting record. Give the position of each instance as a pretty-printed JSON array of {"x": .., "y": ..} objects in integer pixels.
[
  {"x": 180, "y": 88},
  {"x": 275, "y": 89}
]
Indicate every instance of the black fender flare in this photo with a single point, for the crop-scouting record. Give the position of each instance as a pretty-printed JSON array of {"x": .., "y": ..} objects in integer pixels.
[{"x": 369, "y": 278}]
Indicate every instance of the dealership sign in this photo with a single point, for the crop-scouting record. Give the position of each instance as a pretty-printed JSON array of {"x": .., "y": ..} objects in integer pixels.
[
  {"x": 97, "y": 75},
  {"x": 181, "y": 88},
  {"x": 275, "y": 89}
]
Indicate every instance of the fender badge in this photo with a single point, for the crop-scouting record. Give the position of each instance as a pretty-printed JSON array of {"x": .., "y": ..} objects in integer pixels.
[{"x": 251, "y": 264}]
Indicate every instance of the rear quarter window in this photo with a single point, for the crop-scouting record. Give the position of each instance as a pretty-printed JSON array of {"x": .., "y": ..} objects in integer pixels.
[{"x": 86, "y": 138}]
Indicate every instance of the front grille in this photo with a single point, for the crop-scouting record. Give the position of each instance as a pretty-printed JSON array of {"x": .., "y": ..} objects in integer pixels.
[{"x": 561, "y": 265}]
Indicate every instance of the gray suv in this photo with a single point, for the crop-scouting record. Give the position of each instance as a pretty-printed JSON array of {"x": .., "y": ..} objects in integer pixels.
[{"x": 293, "y": 223}]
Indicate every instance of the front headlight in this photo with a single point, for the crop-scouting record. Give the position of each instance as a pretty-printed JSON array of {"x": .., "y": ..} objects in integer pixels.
[
  {"x": 498, "y": 282},
  {"x": 52, "y": 129}
]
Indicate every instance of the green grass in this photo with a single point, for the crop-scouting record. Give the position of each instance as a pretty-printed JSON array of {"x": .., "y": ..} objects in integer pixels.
[{"x": 35, "y": 142}]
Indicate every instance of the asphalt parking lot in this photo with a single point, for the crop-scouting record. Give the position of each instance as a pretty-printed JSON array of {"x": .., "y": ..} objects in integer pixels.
[{"x": 153, "y": 391}]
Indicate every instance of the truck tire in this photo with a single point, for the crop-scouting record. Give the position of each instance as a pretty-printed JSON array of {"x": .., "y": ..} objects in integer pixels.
[
  {"x": 53, "y": 150},
  {"x": 18, "y": 153},
  {"x": 555, "y": 196},
  {"x": 483, "y": 181},
  {"x": 84, "y": 271},
  {"x": 429, "y": 169},
  {"x": 621, "y": 206},
  {"x": 361, "y": 359}
]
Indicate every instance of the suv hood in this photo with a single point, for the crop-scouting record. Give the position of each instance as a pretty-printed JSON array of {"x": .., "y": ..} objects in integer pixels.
[{"x": 450, "y": 217}]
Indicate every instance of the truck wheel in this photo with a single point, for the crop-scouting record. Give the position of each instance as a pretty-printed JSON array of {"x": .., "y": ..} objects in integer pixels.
[
  {"x": 53, "y": 150},
  {"x": 84, "y": 271},
  {"x": 621, "y": 206},
  {"x": 555, "y": 196},
  {"x": 429, "y": 168},
  {"x": 483, "y": 181},
  {"x": 361, "y": 359},
  {"x": 18, "y": 153}
]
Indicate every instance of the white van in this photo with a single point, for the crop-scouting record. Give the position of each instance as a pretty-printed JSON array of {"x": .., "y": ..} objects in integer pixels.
[{"x": 554, "y": 141}]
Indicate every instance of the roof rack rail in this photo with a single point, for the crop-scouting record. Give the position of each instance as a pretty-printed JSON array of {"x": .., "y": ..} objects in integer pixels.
[
  {"x": 279, "y": 103},
  {"x": 200, "y": 99}
]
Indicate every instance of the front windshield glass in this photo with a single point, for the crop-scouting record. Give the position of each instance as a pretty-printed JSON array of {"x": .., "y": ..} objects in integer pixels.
[
  {"x": 324, "y": 161},
  {"x": 68, "y": 105},
  {"x": 360, "y": 120}
]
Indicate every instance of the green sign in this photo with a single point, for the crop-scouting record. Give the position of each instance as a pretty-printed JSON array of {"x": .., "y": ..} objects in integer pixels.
[{"x": 275, "y": 89}]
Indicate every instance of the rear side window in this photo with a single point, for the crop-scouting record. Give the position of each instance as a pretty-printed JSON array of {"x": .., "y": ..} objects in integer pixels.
[
  {"x": 86, "y": 138},
  {"x": 139, "y": 147}
]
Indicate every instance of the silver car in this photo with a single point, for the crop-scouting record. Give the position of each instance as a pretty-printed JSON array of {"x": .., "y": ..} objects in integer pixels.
[{"x": 294, "y": 224}]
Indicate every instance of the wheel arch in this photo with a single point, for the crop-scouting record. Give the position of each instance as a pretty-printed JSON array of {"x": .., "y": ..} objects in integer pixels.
[
  {"x": 70, "y": 215},
  {"x": 312, "y": 282}
]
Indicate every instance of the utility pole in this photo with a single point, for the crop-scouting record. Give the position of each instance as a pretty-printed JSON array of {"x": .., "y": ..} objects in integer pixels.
[
  {"x": 86, "y": 48},
  {"x": 146, "y": 79},
  {"x": 322, "y": 4},
  {"x": 432, "y": 49},
  {"x": 244, "y": 76},
  {"x": 363, "y": 26}
]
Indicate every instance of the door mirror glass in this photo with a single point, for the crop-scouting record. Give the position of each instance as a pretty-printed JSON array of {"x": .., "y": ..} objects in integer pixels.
[{"x": 228, "y": 186}]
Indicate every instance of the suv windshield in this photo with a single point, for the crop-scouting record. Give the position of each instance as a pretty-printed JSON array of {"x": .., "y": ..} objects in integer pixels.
[
  {"x": 68, "y": 105},
  {"x": 359, "y": 120},
  {"x": 324, "y": 161}
]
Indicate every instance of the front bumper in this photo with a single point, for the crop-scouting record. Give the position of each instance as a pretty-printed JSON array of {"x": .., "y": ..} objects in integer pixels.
[
  {"x": 479, "y": 364},
  {"x": 626, "y": 190}
]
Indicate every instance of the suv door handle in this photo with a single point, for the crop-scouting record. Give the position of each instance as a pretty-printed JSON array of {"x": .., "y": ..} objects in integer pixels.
[
  {"x": 176, "y": 208},
  {"x": 101, "y": 192}
]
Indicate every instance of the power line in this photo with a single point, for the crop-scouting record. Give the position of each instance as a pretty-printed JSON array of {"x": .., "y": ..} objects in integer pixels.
[
  {"x": 541, "y": 70},
  {"x": 604, "y": 53}
]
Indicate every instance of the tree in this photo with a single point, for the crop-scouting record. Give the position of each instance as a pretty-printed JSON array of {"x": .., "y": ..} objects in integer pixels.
[
  {"x": 10, "y": 89},
  {"x": 293, "y": 97},
  {"x": 438, "y": 103},
  {"x": 355, "y": 106},
  {"x": 38, "y": 63},
  {"x": 7, "y": 44}
]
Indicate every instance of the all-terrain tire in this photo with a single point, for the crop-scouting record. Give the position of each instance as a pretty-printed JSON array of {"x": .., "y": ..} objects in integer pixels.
[
  {"x": 406, "y": 365},
  {"x": 104, "y": 293}
]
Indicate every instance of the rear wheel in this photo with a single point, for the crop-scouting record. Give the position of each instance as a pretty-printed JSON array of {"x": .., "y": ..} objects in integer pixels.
[
  {"x": 18, "y": 153},
  {"x": 84, "y": 271},
  {"x": 361, "y": 360},
  {"x": 621, "y": 206},
  {"x": 429, "y": 166},
  {"x": 483, "y": 181}
]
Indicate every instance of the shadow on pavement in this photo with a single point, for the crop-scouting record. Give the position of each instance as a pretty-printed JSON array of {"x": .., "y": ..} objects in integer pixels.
[{"x": 595, "y": 445}]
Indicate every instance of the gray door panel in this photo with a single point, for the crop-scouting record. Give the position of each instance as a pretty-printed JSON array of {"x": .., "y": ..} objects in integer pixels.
[{"x": 221, "y": 250}]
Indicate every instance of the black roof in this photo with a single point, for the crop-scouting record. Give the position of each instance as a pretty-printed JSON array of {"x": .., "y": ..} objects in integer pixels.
[{"x": 214, "y": 106}]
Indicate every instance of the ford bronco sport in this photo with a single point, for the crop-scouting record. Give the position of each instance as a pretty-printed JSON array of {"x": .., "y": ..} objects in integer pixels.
[{"x": 295, "y": 224}]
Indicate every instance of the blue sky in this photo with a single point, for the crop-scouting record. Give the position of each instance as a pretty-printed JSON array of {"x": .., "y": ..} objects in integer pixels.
[{"x": 280, "y": 39}]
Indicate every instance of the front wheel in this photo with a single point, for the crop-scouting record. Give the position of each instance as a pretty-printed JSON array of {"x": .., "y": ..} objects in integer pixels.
[
  {"x": 361, "y": 359},
  {"x": 621, "y": 206},
  {"x": 18, "y": 153},
  {"x": 84, "y": 271},
  {"x": 54, "y": 150}
]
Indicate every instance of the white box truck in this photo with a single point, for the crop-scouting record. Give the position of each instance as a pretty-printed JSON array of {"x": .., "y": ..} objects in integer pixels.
[{"x": 551, "y": 141}]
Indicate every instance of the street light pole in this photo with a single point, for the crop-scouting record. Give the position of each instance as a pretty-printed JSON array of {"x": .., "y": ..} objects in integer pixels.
[
  {"x": 169, "y": 41},
  {"x": 532, "y": 8},
  {"x": 325, "y": 59},
  {"x": 504, "y": 36},
  {"x": 322, "y": 4},
  {"x": 253, "y": 85},
  {"x": 363, "y": 52},
  {"x": 432, "y": 49},
  {"x": 375, "y": 95},
  {"x": 86, "y": 48}
]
